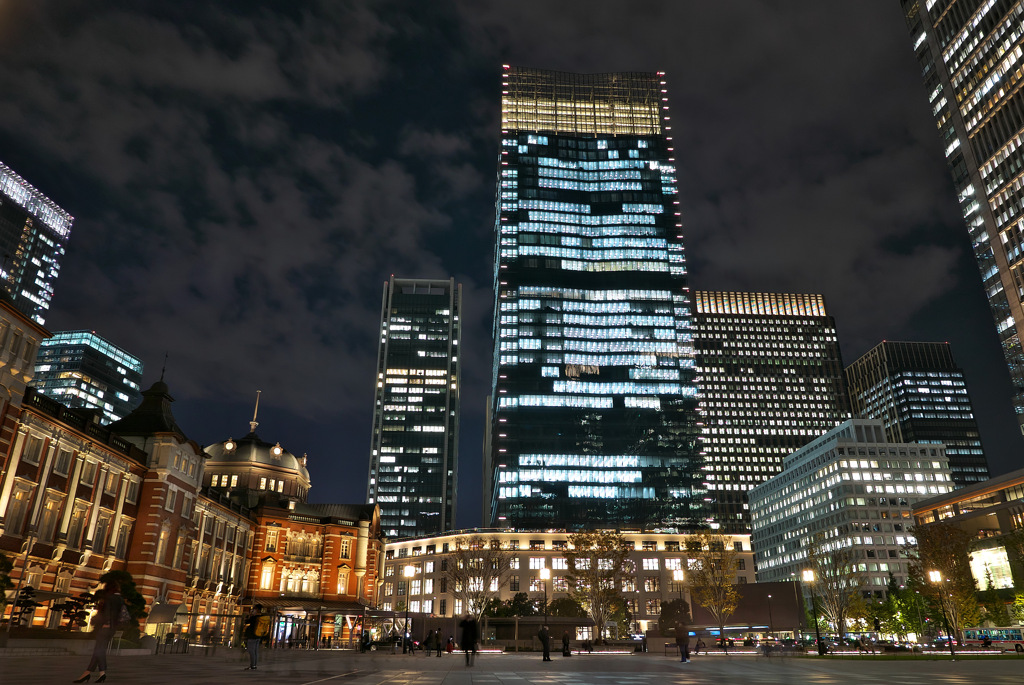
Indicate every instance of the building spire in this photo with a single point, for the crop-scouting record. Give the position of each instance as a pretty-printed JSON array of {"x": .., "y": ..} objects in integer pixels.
[
  {"x": 254, "y": 423},
  {"x": 164, "y": 369}
]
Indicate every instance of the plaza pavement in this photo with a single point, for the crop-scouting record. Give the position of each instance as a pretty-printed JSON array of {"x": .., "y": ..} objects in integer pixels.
[{"x": 347, "y": 668}]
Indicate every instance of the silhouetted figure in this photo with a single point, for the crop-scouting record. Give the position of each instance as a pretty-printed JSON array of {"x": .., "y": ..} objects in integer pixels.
[{"x": 470, "y": 636}]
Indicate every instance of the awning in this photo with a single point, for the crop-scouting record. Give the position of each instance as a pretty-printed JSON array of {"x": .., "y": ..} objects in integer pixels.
[
  {"x": 46, "y": 596},
  {"x": 294, "y": 604},
  {"x": 164, "y": 613}
]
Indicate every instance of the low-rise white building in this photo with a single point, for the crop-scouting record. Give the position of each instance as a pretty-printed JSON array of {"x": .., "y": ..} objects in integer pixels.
[
  {"x": 654, "y": 558},
  {"x": 854, "y": 488}
]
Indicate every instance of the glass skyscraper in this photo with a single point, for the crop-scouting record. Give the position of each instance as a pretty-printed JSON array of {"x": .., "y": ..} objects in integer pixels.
[
  {"x": 415, "y": 441},
  {"x": 919, "y": 393},
  {"x": 81, "y": 369},
  {"x": 593, "y": 405},
  {"x": 33, "y": 233},
  {"x": 771, "y": 381},
  {"x": 971, "y": 54}
]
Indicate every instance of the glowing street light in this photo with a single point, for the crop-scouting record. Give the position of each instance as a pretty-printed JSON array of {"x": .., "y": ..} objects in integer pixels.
[
  {"x": 936, "y": 578},
  {"x": 408, "y": 572},
  {"x": 809, "y": 578},
  {"x": 545, "y": 576}
]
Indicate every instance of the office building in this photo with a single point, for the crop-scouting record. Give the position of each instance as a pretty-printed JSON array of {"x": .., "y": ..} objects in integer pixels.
[
  {"x": 992, "y": 512},
  {"x": 920, "y": 395},
  {"x": 415, "y": 442},
  {"x": 82, "y": 370},
  {"x": 653, "y": 559},
  {"x": 33, "y": 234},
  {"x": 771, "y": 380},
  {"x": 593, "y": 396},
  {"x": 852, "y": 489},
  {"x": 971, "y": 54}
]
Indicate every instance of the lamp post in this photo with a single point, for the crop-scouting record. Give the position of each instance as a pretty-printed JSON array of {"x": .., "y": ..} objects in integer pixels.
[
  {"x": 408, "y": 572},
  {"x": 545, "y": 575},
  {"x": 771, "y": 624},
  {"x": 808, "y": 577},
  {"x": 939, "y": 581}
]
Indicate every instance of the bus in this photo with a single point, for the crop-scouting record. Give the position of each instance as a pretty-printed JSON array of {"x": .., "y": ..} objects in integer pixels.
[{"x": 1002, "y": 638}]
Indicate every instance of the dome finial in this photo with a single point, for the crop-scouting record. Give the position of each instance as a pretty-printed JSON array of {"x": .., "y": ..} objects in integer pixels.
[{"x": 254, "y": 423}]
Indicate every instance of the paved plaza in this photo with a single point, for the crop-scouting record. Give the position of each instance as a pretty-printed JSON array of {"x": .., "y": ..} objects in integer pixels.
[{"x": 315, "y": 668}]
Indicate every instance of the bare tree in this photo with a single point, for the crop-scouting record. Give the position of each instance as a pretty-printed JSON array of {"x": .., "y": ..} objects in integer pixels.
[
  {"x": 476, "y": 569},
  {"x": 597, "y": 563},
  {"x": 712, "y": 575},
  {"x": 946, "y": 549},
  {"x": 837, "y": 581}
]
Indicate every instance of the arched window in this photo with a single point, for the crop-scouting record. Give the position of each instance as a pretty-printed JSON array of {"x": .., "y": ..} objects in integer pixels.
[{"x": 267, "y": 575}]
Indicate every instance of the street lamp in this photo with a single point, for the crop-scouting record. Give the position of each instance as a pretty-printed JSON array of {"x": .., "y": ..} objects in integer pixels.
[
  {"x": 408, "y": 572},
  {"x": 937, "y": 579},
  {"x": 809, "y": 579},
  {"x": 771, "y": 625},
  {"x": 545, "y": 575},
  {"x": 679, "y": 575}
]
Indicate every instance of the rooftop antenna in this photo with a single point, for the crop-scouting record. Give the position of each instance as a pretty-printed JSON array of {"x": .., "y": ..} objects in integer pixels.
[
  {"x": 164, "y": 369},
  {"x": 254, "y": 423}
]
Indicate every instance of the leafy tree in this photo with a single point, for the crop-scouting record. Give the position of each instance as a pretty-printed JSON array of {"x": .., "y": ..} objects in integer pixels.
[
  {"x": 24, "y": 606},
  {"x": 75, "y": 611},
  {"x": 6, "y": 566},
  {"x": 712, "y": 575},
  {"x": 476, "y": 569},
  {"x": 837, "y": 582},
  {"x": 994, "y": 601},
  {"x": 519, "y": 605},
  {"x": 566, "y": 607},
  {"x": 620, "y": 616},
  {"x": 133, "y": 599},
  {"x": 597, "y": 563},
  {"x": 673, "y": 612},
  {"x": 945, "y": 549}
]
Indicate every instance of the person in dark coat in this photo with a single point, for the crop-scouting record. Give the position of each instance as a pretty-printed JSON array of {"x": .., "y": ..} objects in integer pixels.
[
  {"x": 252, "y": 635},
  {"x": 565, "y": 644},
  {"x": 470, "y": 636},
  {"x": 545, "y": 642},
  {"x": 437, "y": 642},
  {"x": 105, "y": 624},
  {"x": 683, "y": 642}
]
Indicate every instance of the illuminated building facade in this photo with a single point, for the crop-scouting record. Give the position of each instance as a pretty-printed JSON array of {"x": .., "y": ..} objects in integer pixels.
[
  {"x": 971, "y": 54},
  {"x": 33, "y": 234},
  {"x": 415, "y": 448},
  {"x": 853, "y": 488},
  {"x": 993, "y": 513},
  {"x": 771, "y": 380},
  {"x": 81, "y": 369},
  {"x": 653, "y": 559},
  {"x": 919, "y": 393},
  {"x": 593, "y": 401}
]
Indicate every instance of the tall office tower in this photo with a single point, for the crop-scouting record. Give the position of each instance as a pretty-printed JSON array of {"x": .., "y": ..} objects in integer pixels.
[
  {"x": 593, "y": 419},
  {"x": 972, "y": 58},
  {"x": 33, "y": 233},
  {"x": 771, "y": 380},
  {"x": 919, "y": 393},
  {"x": 81, "y": 369},
  {"x": 415, "y": 443}
]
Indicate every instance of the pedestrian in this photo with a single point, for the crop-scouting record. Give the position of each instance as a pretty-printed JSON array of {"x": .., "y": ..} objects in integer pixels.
[
  {"x": 545, "y": 642},
  {"x": 437, "y": 642},
  {"x": 470, "y": 636},
  {"x": 683, "y": 642},
  {"x": 450, "y": 647},
  {"x": 214, "y": 639},
  {"x": 257, "y": 630},
  {"x": 700, "y": 645},
  {"x": 565, "y": 644},
  {"x": 110, "y": 613},
  {"x": 428, "y": 644}
]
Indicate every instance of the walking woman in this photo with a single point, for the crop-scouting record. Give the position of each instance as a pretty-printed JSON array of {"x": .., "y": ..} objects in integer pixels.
[{"x": 104, "y": 623}]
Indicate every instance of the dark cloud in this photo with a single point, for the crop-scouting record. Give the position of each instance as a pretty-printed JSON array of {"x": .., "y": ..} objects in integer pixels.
[{"x": 245, "y": 179}]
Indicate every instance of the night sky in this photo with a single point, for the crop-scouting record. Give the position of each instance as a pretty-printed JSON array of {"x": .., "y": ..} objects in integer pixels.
[{"x": 245, "y": 176}]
